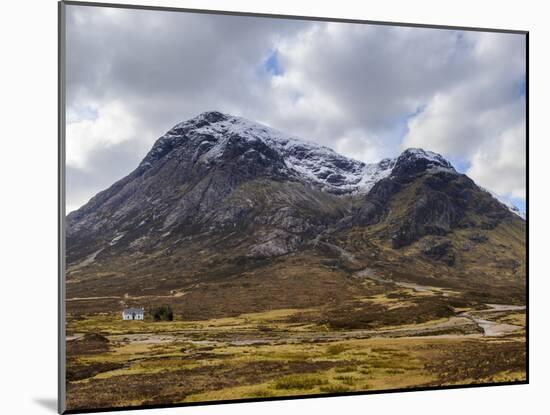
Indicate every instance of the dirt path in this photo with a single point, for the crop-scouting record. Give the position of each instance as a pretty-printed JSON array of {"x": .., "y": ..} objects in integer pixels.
[
  {"x": 173, "y": 294},
  {"x": 370, "y": 274}
]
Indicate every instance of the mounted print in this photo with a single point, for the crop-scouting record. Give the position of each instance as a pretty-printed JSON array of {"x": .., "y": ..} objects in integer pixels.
[{"x": 259, "y": 207}]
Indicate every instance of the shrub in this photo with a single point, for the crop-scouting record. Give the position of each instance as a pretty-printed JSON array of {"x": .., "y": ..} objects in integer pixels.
[{"x": 163, "y": 313}]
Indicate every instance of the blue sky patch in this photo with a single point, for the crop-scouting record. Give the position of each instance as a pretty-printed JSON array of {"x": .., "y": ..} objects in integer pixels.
[
  {"x": 519, "y": 203},
  {"x": 272, "y": 64},
  {"x": 401, "y": 124},
  {"x": 460, "y": 164}
]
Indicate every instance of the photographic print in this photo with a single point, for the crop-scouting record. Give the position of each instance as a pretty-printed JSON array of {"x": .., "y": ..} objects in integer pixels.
[{"x": 259, "y": 207}]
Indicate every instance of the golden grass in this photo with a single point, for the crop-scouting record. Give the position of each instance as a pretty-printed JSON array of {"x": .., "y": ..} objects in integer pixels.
[
  {"x": 348, "y": 365},
  {"x": 517, "y": 319}
]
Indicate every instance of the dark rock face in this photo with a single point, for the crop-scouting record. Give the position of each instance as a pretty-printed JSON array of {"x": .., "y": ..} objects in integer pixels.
[
  {"x": 427, "y": 197},
  {"x": 438, "y": 249},
  {"x": 433, "y": 212},
  {"x": 477, "y": 237},
  {"x": 374, "y": 206}
]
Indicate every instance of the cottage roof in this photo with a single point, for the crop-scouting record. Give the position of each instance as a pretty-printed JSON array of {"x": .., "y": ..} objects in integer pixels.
[{"x": 133, "y": 310}]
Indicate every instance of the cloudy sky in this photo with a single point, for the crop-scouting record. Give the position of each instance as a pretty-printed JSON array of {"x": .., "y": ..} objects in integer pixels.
[{"x": 366, "y": 91}]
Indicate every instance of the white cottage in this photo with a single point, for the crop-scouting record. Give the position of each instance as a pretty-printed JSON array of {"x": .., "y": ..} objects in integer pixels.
[{"x": 133, "y": 314}]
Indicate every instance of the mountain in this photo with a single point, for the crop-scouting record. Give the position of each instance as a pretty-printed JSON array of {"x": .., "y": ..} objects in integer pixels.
[
  {"x": 212, "y": 154},
  {"x": 225, "y": 216}
]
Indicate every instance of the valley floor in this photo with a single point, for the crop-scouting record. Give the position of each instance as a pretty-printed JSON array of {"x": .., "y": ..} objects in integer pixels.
[{"x": 114, "y": 363}]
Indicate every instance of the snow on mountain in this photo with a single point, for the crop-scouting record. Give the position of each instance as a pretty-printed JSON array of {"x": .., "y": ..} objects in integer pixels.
[
  {"x": 212, "y": 132},
  {"x": 416, "y": 160},
  {"x": 433, "y": 160}
]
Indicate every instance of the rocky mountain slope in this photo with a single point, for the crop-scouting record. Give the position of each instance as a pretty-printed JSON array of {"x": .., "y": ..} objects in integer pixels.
[{"x": 229, "y": 211}]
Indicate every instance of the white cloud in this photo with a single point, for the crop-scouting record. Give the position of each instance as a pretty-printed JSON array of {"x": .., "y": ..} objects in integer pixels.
[
  {"x": 481, "y": 119},
  {"x": 112, "y": 125},
  {"x": 352, "y": 144},
  {"x": 499, "y": 164},
  {"x": 363, "y": 81},
  {"x": 356, "y": 88}
]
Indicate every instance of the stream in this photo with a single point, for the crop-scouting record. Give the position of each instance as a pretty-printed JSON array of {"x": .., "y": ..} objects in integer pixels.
[
  {"x": 490, "y": 328},
  {"x": 493, "y": 328}
]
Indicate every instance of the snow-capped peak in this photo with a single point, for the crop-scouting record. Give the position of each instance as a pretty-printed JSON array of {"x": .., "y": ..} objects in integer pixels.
[
  {"x": 431, "y": 159},
  {"x": 212, "y": 132}
]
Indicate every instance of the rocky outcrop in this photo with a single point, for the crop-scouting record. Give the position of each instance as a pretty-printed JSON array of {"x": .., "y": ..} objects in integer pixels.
[
  {"x": 438, "y": 249},
  {"x": 424, "y": 195}
]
